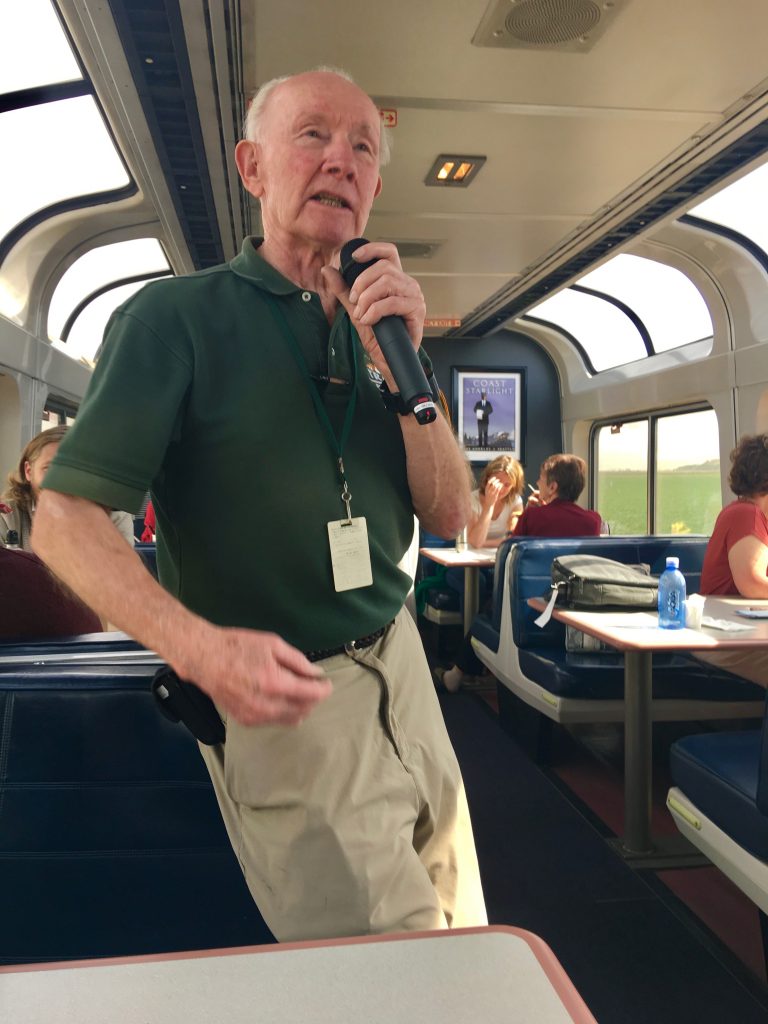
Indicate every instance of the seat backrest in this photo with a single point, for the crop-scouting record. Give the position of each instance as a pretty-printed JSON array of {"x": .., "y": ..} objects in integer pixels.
[
  {"x": 531, "y": 566},
  {"x": 762, "y": 782},
  {"x": 111, "y": 839},
  {"x": 148, "y": 554}
]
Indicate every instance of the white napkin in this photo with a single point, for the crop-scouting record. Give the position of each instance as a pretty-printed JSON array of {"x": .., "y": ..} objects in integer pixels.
[{"x": 724, "y": 624}]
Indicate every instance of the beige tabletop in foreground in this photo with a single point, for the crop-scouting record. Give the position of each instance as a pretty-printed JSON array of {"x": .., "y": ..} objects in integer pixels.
[{"x": 491, "y": 975}]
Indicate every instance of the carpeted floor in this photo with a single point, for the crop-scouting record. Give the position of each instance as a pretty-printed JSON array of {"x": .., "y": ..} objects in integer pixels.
[{"x": 546, "y": 868}]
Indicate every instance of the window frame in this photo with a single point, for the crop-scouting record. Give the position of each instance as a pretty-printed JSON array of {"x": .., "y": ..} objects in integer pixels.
[
  {"x": 21, "y": 99},
  {"x": 651, "y": 417}
]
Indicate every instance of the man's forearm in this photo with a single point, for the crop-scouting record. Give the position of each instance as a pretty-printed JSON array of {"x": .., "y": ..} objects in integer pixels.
[
  {"x": 437, "y": 476},
  {"x": 81, "y": 544}
]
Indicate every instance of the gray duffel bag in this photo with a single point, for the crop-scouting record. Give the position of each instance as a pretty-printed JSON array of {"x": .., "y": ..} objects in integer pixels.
[{"x": 589, "y": 581}]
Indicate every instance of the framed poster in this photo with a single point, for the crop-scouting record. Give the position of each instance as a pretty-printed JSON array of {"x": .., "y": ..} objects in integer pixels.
[{"x": 487, "y": 408}]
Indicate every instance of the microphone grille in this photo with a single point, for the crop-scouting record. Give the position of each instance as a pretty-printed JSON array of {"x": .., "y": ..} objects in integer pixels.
[{"x": 351, "y": 269}]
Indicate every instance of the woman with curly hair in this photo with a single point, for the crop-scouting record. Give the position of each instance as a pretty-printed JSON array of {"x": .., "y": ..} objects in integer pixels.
[{"x": 736, "y": 559}]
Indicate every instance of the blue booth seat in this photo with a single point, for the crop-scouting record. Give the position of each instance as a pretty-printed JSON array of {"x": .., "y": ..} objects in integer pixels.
[
  {"x": 148, "y": 554},
  {"x": 532, "y": 663},
  {"x": 719, "y": 801},
  {"x": 111, "y": 840}
]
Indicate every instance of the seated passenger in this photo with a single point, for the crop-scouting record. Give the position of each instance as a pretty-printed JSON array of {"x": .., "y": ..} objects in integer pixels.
[
  {"x": 736, "y": 559},
  {"x": 496, "y": 505},
  {"x": 497, "y": 502},
  {"x": 35, "y": 605},
  {"x": 552, "y": 511},
  {"x": 18, "y": 506}
]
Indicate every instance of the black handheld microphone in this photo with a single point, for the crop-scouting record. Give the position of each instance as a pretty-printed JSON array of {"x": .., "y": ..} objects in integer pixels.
[{"x": 396, "y": 344}]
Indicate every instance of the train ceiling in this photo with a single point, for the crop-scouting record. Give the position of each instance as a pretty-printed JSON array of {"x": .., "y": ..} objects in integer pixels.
[{"x": 590, "y": 115}]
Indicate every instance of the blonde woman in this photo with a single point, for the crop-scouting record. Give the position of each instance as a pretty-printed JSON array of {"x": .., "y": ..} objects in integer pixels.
[
  {"x": 496, "y": 506},
  {"x": 497, "y": 503}
]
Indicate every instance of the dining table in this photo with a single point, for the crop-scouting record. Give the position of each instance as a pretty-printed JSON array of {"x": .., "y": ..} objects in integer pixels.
[
  {"x": 637, "y": 635},
  {"x": 471, "y": 560},
  {"x": 495, "y": 974}
]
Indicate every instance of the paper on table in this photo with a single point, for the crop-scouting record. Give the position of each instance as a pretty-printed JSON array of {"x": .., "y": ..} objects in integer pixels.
[
  {"x": 725, "y": 624},
  {"x": 634, "y": 620}
]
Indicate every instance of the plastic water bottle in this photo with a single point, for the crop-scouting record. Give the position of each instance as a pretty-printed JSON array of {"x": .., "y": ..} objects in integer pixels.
[
  {"x": 672, "y": 596},
  {"x": 12, "y": 540}
]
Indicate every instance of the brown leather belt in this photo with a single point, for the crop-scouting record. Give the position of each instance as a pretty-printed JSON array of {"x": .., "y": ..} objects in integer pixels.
[{"x": 353, "y": 645}]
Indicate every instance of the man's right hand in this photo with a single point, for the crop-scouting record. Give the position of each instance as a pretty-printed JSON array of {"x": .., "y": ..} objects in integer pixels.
[{"x": 256, "y": 677}]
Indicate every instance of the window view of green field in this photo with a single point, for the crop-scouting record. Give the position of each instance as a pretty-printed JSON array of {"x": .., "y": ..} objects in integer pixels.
[{"x": 686, "y": 474}]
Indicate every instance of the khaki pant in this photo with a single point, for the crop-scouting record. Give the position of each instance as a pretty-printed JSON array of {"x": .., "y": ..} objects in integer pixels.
[
  {"x": 355, "y": 822},
  {"x": 752, "y": 665}
]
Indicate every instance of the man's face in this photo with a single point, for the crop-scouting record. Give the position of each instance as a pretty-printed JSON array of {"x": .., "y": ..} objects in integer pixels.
[
  {"x": 316, "y": 168},
  {"x": 35, "y": 471}
]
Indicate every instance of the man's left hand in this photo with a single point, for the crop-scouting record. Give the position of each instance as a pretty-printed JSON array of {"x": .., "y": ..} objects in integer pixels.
[{"x": 383, "y": 289}]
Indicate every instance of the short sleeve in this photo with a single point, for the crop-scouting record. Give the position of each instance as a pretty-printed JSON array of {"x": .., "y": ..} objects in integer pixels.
[{"x": 129, "y": 416}]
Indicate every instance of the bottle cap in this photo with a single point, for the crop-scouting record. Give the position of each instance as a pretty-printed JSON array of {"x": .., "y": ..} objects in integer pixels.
[{"x": 673, "y": 562}]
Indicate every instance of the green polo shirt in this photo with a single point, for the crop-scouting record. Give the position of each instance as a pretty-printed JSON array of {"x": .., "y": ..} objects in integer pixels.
[{"x": 198, "y": 398}]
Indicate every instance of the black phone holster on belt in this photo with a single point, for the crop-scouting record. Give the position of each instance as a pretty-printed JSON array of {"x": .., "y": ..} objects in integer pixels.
[{"x": 184, "y": 702}]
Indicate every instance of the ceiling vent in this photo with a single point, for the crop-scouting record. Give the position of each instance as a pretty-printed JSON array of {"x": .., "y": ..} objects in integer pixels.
[
  {"x": 413, "y": 249},
  {"x": 570, "y": 26}
]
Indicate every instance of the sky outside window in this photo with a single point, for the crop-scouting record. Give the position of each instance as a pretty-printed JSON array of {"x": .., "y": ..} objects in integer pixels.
[
  {"x": 602, "y": 329},
  {"x": 97, "y": 268},
  {"x": 741, "y": 206},
  {"x": 668, "y": 303},
  {"x": 33, "y": 47},
  {"x": 76, "y": 143}
]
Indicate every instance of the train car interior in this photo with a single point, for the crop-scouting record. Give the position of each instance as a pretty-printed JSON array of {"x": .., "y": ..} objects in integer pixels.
[{"x": 579, "y": 188}]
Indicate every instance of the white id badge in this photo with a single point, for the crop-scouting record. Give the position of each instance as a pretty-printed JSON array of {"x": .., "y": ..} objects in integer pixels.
[
  {"x": 479, "y": 413},
  {"x": 350, "y": 554}
]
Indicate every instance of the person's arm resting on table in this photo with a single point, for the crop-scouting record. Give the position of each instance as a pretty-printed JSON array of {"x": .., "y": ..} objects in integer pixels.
[{"x": 254, "y": 676}]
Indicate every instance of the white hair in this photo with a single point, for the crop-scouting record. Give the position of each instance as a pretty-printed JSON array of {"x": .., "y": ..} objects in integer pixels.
[{"x": 254, "y": 118}]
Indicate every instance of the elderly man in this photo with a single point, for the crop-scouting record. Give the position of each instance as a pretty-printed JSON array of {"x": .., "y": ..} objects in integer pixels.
[{"x": 336, "y": 780}]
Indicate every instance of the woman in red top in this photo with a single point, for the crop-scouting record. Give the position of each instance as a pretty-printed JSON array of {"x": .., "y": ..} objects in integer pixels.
[{"x": 736, "y": 559}]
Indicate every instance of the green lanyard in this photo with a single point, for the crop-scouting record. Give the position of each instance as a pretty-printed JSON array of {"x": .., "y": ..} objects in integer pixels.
[{"x": 337, "y": 444}]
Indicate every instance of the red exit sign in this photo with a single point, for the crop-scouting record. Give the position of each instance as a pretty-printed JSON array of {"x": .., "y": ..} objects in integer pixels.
[{"x": 388, "y": 117}]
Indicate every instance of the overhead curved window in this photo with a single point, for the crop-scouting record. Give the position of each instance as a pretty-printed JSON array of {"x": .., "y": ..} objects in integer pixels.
[
  {"x": 667, "y": 302},
  {"x": 139, "y": 257},
  {"x": 741, "y": 206},
  {"x": 69, "y": 153},
  {"x": 605, "y": 333},
  {"x": 28, "y": 28},
  {"x": 87, "y": 331},
  {"x": 63, "y": 153},
  {"x": 626, "y": 309}
]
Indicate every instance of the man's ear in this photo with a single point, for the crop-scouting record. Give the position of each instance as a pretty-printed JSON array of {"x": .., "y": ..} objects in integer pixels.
[{"x": 247, "y": 160}]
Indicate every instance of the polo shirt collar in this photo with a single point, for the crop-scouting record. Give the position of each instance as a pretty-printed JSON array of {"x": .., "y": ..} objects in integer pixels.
[{"x": 250, "y": 264}]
